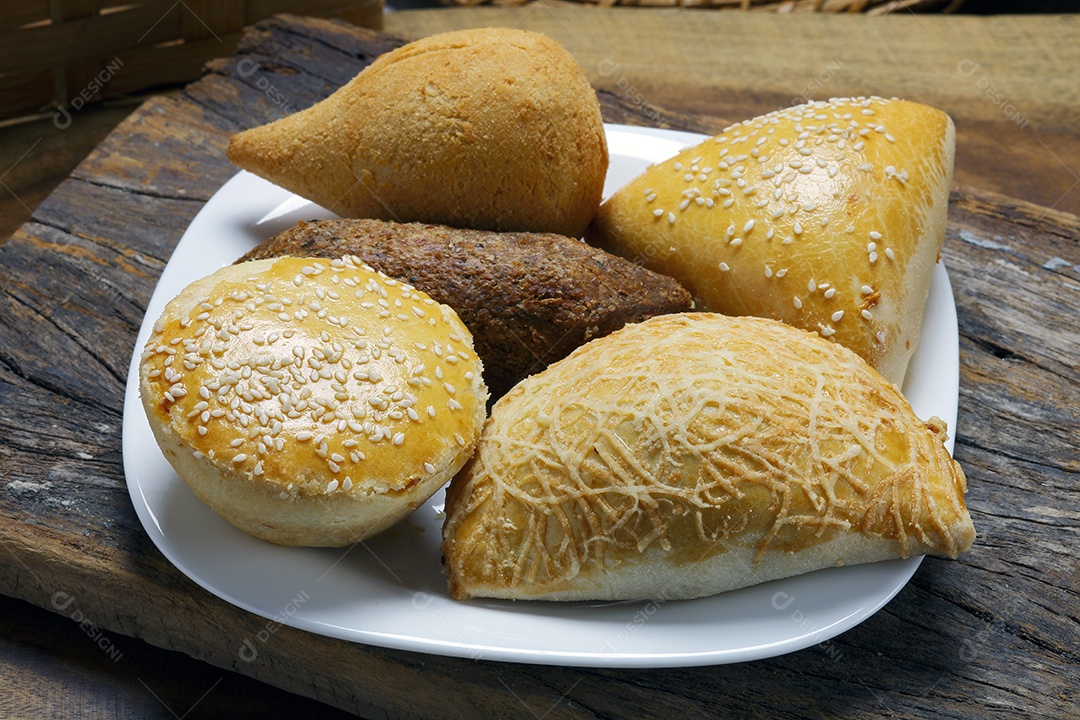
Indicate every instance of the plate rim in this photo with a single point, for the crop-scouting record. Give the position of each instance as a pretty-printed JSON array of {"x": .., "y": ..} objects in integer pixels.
[{"x": 133, "y": 414}]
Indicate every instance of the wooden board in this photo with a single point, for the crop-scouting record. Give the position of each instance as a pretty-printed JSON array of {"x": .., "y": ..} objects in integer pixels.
[{"x": 993, "y": 634}]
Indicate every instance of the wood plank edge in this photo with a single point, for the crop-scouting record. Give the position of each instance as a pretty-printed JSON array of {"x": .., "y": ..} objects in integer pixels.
[{"x": 365, "y": 680}]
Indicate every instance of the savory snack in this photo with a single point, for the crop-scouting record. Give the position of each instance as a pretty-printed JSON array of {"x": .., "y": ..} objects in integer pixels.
[
  {"x": 529, "y": 299},
  {"x": 491, "y": 128},
  {"x": 828, "y": 216},
  {"x": 692, "y": 454},
  {"x": 311, "y": 402}
]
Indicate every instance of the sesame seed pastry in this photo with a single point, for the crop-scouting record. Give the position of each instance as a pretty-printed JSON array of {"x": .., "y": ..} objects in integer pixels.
[
  {"x": 491, "y": 128},
  {"x": 828, "y": 216},
  {"x": 311, "y": 402},
  {"x": 696, "y": 453}
]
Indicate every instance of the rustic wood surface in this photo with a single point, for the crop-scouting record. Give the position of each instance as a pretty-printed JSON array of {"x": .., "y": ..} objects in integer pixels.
[{"x": 993, "y": 634}]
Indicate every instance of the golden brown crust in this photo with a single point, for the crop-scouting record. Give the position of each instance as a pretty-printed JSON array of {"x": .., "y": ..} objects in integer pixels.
[
  {"x": 696, "y": 453},
  {"x": 529, "y": 299},
  {"x": 490, "y": 128},
  {"x": 828, "y": 216},
  {"x": 311, "y": 402}
]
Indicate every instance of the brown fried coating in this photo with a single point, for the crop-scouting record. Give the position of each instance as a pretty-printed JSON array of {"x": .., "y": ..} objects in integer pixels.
[{"x": 529, "y": 299}]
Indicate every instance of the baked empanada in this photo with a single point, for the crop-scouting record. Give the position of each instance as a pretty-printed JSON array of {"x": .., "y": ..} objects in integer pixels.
[{"x": 692, "y": 454}]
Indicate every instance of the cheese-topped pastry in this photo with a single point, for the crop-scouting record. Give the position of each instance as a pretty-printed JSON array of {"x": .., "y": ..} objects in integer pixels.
[
  {"x": 828, "y": 216},
  {"x": 692, "y": 454}
]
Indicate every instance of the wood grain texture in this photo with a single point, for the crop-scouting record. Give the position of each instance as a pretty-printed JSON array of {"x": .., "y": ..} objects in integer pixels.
[
  {"x": 86, "y": 672},
  {"x": 994, "y": 634}
]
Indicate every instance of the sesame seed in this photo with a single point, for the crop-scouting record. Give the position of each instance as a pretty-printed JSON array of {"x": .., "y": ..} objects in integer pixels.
[
  {"x": 837, "y": 316},
  {"x": 239, "y": 458},
  {"x": 798, "y": 303},
  {"x": 748, "y": 226},
  {"x": 830, "y": 293},
  {"x": 867, "y": 315}
]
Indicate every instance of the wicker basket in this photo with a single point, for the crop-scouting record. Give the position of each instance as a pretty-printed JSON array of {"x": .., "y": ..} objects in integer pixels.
[
  {"x": 876, "y": 7},
  {"x": 68, "y": 53}
]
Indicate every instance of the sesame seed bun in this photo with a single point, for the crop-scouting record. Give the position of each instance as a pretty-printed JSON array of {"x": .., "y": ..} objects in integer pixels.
[
  {"x": 490, "y": 129},
  {"x": 828, "y": 216},
  {"x": 311, "y": 402}
]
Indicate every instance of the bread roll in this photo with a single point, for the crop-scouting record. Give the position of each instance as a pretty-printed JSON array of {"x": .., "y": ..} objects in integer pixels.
[
  {"x": 828, "y": 216},
  {"x": 692, "y": 454},
  {"x": 493, "y": 128},
  {"x": 529, "y": 299},
  {"x": 311, "y": 402}
]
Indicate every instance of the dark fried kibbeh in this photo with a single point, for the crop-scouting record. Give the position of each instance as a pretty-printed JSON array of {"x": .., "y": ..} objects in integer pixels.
[{"x": 529, "y": 299}]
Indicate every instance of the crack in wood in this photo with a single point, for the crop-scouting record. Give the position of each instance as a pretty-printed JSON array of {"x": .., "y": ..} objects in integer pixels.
[
  {"x": 970, "y": 441},
  {"x": 144, "y": 191},
  {"x": 71, "y": 335}
]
